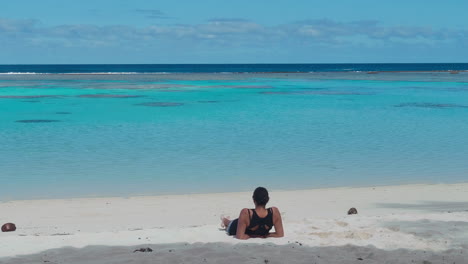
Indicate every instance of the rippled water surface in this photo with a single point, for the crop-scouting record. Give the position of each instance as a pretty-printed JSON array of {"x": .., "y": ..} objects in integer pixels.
[{"x": 105, "y": 135}]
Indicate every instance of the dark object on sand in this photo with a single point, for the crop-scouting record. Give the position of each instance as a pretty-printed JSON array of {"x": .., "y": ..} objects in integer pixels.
[
  {"x": 143, "y": 250},
  {"x": 8, "y": 227},
  {"x": 352, "y": 211}
]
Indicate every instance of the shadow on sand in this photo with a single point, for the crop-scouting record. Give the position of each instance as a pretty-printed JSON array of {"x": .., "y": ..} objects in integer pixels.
[{"x": 239, "y": 253}]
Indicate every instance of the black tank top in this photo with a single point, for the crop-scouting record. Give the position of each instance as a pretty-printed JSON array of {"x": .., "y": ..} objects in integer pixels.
[{"x": 260, "y": 226}]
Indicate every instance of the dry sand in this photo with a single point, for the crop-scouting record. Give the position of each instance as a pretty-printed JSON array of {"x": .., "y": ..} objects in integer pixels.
[{"x": 395, "y": 224}]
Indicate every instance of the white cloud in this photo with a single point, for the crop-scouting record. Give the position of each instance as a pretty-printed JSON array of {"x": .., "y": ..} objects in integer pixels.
[{"x": 223, "y": 31}]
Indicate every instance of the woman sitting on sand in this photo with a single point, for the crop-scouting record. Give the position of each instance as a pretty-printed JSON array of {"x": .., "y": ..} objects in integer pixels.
[{"x": 256, "y": 222}]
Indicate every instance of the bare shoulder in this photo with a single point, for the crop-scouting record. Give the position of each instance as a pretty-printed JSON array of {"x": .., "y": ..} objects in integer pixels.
[
  {"x": 244, "y": 211},
  {"x": 244, "y": 216},
  {"x": 275, "y": 209}
]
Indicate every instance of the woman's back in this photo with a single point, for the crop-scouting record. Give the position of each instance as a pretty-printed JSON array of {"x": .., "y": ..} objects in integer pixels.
[
  {"x": 259, "y": 226},
  {"x": 256, "y": 222}
]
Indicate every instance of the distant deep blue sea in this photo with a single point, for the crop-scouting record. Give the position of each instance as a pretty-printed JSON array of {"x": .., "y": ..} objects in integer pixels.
[
  {"x": 230, "y": 68},
  {"x": 121, "y": 130}
]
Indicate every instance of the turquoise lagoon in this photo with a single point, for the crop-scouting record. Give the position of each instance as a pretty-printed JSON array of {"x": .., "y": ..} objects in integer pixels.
[{"x": 121, "y": 135}]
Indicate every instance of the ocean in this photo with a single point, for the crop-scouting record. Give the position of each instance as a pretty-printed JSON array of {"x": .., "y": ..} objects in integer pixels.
[
  {"x": 123, "y": 130},
  {"x": 227, "y": 68}
]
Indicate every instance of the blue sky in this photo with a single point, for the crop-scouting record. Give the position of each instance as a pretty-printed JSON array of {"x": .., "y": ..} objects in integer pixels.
[{"x": 209, "y": 31}]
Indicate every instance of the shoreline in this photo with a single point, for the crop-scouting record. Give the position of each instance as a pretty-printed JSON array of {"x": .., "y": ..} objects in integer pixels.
[
  {"x": 414, "y": 217},
  {"x": 173, "y": 194}
]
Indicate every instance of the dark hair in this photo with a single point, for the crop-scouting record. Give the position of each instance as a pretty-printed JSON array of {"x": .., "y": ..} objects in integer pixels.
[{"x": 260, "y": 196}]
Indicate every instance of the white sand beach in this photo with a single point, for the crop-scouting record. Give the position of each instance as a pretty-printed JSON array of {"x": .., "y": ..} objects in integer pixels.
[{"x": 394, "y": 224}]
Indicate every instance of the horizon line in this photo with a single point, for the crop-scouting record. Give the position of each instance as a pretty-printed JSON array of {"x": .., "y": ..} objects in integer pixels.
[{"x": 239, "y": 63}]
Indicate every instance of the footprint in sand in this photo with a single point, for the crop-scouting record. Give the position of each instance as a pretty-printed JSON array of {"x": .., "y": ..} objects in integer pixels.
[
  {"x": 355, "y": 235},
  {"x": 62, "y": 234},
  {"x": 347, "y": 235},
  {"x": 341, "y": 223},
  {"x": 321, "y": 234}
]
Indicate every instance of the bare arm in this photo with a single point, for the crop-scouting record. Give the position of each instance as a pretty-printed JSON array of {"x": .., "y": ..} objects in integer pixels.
[
  {"x": 277, "y": 223},
  {"x": 242, "y": 224}
]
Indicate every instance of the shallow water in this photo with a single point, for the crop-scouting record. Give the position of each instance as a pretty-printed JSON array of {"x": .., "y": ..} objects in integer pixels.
[{"x": 77, "y": 135}]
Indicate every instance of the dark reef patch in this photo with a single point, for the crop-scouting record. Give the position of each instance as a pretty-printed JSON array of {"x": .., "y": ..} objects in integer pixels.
[
  {"x": 27, "y": 96},
  {"x": 176, "y": 91},
  {"x": 309, "y": 88},
  {"x": 31, "y": 101},
  {"x": 318, "y": 93},
  {"x": 37, "y": 121},
  {"x": 431, "y": 105},
  {"x": 208, "y": 102},
  {"x": 248, "y": 86},
  {"x": 339, "y": 93},
  {"x": 279, "y": 92},
  {"x": 160, "y": 104},
  {"x": 109, "y": 96}
]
